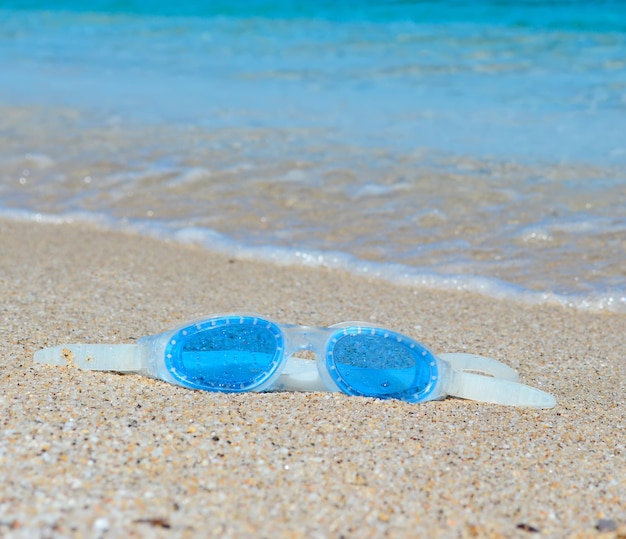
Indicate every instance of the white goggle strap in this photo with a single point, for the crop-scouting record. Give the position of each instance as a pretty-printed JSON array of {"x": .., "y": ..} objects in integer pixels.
[
  {"x": 495, "y": 384},
  {"x": 93, "y": 357}
]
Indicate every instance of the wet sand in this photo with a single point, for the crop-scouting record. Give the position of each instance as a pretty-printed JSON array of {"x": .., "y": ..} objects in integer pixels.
[{"x": 87, "y": 454}]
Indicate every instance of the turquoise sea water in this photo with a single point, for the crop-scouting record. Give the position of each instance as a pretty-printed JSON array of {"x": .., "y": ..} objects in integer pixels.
[{"x": 477, "y": 145}]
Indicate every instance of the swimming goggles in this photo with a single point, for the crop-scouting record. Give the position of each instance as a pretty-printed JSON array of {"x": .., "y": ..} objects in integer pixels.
[{"x": 248, "y": 352}]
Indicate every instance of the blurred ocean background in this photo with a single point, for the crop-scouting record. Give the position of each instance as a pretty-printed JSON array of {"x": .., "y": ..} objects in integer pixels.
[{"x": 475, "y": 145}]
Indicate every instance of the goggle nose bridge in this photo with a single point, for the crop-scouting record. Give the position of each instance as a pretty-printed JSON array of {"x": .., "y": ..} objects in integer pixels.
[{"x": 304, "y": 338}]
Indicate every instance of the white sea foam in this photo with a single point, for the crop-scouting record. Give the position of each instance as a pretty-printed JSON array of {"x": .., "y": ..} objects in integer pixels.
[
  {"x": 38, "y": 160},
  {"x": 612, "y": 300}
]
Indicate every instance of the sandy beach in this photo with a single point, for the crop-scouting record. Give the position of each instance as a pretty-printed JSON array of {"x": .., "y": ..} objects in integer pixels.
[{"x": 87, "y": 454}]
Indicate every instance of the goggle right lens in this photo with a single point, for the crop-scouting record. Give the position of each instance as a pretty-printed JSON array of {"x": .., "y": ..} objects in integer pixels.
[
  {"x": 230, "y": 353},
  {"x": 375, "y": 362}
]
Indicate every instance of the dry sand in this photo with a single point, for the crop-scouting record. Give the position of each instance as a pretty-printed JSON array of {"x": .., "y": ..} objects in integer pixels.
[{"x": 87, "y": 454}]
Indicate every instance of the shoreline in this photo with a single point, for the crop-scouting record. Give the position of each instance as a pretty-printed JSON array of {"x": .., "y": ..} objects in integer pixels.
[
  {"x": 100, "y": 454},
  {"x": 394, "y": 274}
]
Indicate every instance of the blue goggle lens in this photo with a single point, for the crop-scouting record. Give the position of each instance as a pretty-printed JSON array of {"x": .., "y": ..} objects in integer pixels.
[
  {"x": 374, "y": 362},
  {"x": 225, "y": 354}
]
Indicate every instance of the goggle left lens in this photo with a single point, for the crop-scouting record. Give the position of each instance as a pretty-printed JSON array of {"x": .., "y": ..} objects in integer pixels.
[
  {"x": 375, "y": 362},
  {"x": 230, "y": 353}
]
